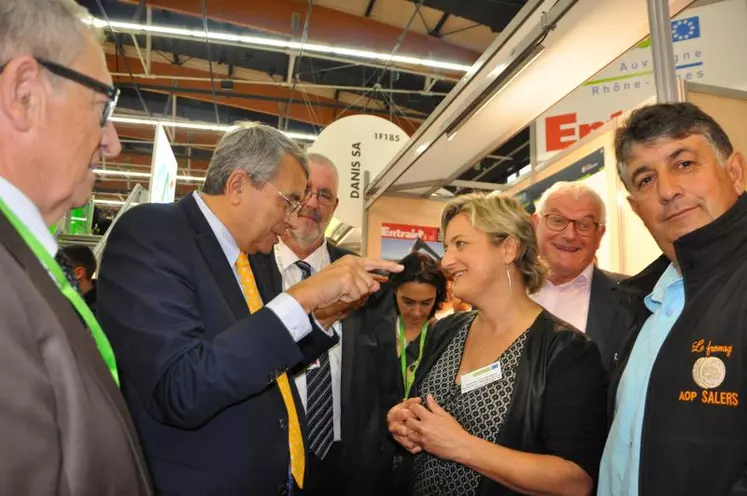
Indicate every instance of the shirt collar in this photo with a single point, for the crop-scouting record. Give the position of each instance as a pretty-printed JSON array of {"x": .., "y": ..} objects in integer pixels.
[
  {"x": 230, "y": 249},
  {"x": 583, "y": 279},
  {"x": 669, "y": 278},
  {"x": 285, "y": 257},
  {"x": 29, "y": 214}
]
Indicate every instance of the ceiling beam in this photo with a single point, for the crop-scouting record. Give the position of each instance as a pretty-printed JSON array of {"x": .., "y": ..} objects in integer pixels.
[
  {"x": 370, "y": 7},
  {"x": 436, "y": 31},
  {"x": 328, "y": 26}
]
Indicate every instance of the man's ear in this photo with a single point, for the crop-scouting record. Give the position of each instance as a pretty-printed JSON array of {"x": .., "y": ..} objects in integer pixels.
[
  {"x": 735, "y": 167},
  {"x": 79, "y": 273},
  {"x": 21, "y": 93},
  {"x": 235, "y": 184},
  {"x": 633, "y": 204}
]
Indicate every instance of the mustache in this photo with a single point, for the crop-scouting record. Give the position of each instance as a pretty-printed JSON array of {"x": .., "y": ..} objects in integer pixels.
[{"x": 311, "y": 213}]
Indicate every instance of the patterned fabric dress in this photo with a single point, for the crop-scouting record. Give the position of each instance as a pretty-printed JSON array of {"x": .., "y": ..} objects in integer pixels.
[{"x": 481, "y": 412}]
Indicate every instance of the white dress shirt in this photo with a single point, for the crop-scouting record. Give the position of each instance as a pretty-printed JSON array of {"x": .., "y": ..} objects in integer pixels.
[
  {"x": 569, "y": 301},
  {"x": 29, "y": 214},
  {"x": 292, "y": 275},
  {"x": 287, "y": 309}
]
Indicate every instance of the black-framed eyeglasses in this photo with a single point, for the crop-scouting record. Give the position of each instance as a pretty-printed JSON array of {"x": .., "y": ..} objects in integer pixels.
[
  {"x": 111, "y": 92},
  {"x": 324, "y": 197},
  {"x": 558, "y": 223}
]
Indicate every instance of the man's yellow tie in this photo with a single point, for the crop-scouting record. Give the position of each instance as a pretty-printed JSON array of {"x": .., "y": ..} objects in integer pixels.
[{"x": 295, "y": 440}]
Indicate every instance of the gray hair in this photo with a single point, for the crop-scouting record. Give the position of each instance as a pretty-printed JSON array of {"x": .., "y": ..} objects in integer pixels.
[
  {"x": 675, "y": 121},
  {"x": 48, "y": 29},
  {"x": 577, "y": 189},
  {"x": 253, "y": 147},
  {"x": 320, "y": 159}
]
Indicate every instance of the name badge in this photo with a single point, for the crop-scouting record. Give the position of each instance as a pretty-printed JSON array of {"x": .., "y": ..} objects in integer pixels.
[{"x": 481, "y": 377}]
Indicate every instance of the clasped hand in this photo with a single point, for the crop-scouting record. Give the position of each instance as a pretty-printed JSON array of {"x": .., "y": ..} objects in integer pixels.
[{"x": 428, "y": 427}]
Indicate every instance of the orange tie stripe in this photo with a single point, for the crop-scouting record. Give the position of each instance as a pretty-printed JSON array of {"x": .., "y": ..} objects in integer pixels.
[{"x": 295, "y": 439}]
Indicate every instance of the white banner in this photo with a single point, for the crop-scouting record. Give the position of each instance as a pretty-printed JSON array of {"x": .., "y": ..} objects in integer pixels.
[
  {"x": 709, "y": 47},
  {"x": 162, "y": 186},
  {"x": 356, "y": 144}
]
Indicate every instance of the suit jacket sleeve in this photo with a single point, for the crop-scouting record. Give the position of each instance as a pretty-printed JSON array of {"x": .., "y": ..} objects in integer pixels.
[{"x": 148, "y": 305}]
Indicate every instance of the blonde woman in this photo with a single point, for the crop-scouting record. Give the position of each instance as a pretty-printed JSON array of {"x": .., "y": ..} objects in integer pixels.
[{"x": 511, "y": 399}]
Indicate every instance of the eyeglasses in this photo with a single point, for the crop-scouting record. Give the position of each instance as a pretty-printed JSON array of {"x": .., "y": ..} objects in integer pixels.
[
  {"x": 558, "y": 223},
  {"x": 111, "y": 92},
  {"x": 323, "y": 197},
  {"x": 292, "y": 207}
]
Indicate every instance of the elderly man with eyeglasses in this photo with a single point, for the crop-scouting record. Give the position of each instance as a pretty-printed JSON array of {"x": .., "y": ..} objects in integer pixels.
[
  {"x": 345, "y": 392},
  {"x": 206, "y": 347},
  {"x": 569, "y": 220},
  {"x": 64, "y": 425}
]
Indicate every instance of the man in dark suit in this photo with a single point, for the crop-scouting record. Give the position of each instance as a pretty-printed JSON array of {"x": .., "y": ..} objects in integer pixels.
[
  {"x": 570, "y": 223},
  {"x": 342, "y": 391},
  {"x": 203, "y": 364},
  {"x": 64, "y": 426}
]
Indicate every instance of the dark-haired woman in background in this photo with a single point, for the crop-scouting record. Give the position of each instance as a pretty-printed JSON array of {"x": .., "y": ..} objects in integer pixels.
[
  {"x": 404, "y": 321},
  {"x": 419, "y": 291}
]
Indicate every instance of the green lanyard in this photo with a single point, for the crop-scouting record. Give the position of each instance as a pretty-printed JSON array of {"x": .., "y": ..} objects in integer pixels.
[
  {"x": 408, "y": 373},
  {"x": 70, "y": 293}
]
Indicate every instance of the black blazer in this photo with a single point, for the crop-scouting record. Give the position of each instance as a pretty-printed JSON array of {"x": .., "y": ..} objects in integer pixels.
[
  {"x": 197, "y": 370},
  {"x": 559, "y": 401},
  {"x": 610, "y": 315},
  {"x": 368, "y": 390}
]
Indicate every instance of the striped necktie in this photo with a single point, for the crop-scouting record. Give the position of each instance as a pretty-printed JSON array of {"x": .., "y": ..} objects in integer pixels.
[
  {"x": 295, "y": 438},
  {"x": 319, "y": 408}
]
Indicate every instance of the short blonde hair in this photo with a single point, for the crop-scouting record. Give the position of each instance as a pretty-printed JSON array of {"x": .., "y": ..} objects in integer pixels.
[{"x": 501, "y": 216}]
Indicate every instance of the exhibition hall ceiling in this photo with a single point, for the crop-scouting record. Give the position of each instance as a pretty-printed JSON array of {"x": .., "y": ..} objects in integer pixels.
[{"x": 205, "y": 71}]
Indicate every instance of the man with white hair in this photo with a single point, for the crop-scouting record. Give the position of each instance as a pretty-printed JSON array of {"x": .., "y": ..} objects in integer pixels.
[
  {"x": 342, "y": 391},
  {"x": 570, "y": 223},
  {"x": 64, "y": 426}
]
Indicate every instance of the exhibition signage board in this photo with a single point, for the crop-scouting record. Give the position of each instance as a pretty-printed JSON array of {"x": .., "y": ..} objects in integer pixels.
[
  {"x": 162, "y": 186},
  {"x": 398, "y": 240},
  {"x": 358, "y": 144},
  {"x": 708, "y": 45}
]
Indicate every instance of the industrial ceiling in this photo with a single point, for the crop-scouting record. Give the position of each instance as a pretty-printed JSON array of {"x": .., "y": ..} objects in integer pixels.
[{"x": 425, "y": 47}]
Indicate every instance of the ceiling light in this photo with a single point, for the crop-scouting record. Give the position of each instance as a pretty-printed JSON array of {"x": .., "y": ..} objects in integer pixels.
[
  {"x": 137, "y": 28},
  {"x": 143, "y": 175},
  {"x": 198, "y": 126},
  {"x": 109, "y": 203},
  {"x": 119, "y": 173}
]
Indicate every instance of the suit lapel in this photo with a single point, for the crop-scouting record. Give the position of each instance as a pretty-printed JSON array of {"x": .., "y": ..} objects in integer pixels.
[
  {"x": 351, "y": 329},
  {"x": 214, "y": 257},
  {"x": 77, "y": 335},
  {"x": 603, "y": 307},
  {"x": 268, "y": 276}
]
